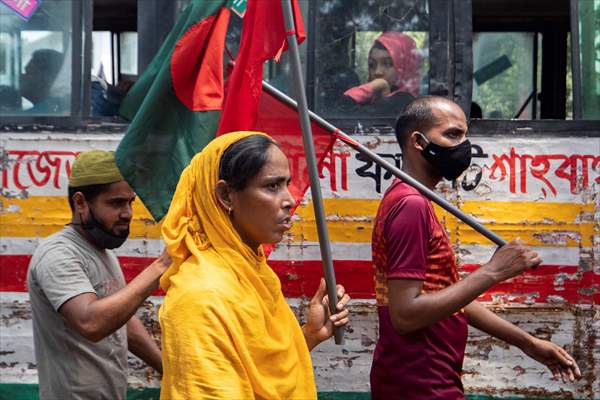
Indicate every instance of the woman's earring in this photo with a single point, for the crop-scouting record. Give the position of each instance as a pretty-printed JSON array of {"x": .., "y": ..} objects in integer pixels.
[{"x": 229, "y": 210}]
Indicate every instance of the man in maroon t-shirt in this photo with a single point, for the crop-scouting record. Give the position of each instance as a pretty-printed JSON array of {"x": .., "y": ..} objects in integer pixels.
[{"x": 423, "y": 307}]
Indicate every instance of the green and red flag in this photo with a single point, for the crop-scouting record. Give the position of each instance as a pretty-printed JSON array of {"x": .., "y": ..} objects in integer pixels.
[{"x": 174, "y": 107}]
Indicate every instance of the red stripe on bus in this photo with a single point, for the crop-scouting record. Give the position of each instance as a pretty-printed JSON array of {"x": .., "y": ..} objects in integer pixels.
[{"x": 547, "y": 284}]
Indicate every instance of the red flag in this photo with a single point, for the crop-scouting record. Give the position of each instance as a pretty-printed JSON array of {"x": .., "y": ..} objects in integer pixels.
[
  {"x": 247, "y": 108},
  {"x": 281, "y": 122},
  {"x": 263, "y": 38}
]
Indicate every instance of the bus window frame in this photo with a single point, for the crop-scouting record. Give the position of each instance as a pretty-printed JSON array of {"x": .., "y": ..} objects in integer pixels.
[
  {"x": 81, "y": 26},
  {"x": 575, "y": 60},
  {"x": 543, "y": 128}
]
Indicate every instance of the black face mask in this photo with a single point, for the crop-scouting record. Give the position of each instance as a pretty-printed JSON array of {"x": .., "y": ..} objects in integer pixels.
[
  {"x": 451, "y": 161},
  {"x": 100, "y": 235}
]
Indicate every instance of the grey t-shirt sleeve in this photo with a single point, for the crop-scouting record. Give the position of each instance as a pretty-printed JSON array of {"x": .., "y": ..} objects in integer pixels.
[{"x": 61, "y": 276}]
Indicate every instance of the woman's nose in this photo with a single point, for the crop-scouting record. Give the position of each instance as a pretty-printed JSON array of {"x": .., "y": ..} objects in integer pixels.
[{"x": 289, "y": 201}]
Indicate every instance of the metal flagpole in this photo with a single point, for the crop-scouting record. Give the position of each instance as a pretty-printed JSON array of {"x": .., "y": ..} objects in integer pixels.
[
  {"x": 311, "y": 161},
  {"x": 430, "y": 194}
]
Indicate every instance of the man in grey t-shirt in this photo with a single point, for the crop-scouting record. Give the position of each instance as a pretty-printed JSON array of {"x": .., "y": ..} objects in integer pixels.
[{"x": 82, "y": 310}]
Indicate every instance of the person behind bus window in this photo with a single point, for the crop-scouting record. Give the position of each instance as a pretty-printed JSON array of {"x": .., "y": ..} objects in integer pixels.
[
  {"x": 106, "y": 98},
  {"x": 394, "y": 64},
  {"x": 37, "y": 84},
  {"x": 10, "y": 100}
]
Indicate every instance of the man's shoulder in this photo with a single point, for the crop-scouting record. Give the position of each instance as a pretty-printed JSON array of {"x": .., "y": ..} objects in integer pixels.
[
  {"x": 401, "y": 193},
  {"x": 63, "y": 239},
  {"x": 60, "y": 245}
]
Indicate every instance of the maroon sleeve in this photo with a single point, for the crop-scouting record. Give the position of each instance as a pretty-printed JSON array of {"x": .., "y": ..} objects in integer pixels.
[{"x": 406, "y": 231}]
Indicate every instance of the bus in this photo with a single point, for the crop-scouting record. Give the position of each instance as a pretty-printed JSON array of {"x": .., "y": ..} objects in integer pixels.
[{"x": 526, "y": 73}]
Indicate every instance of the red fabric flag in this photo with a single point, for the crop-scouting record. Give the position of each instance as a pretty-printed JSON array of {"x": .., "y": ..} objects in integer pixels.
[
  {"x": 281, "y": 122},
  {"x": 247, "y": 108},
  {"x": 263, "y": 38}
]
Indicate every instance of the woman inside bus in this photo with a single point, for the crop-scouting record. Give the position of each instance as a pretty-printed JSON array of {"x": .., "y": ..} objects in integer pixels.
[
  {"x": 394, "y": 64},
  {"x": 227, "y": 331}
]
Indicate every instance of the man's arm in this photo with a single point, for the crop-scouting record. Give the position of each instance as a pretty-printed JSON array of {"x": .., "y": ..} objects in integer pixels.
[
  {"x": 411, "y": 310},
  {"x": 142, "y": 345},
  {"x": 560, "y": 363},
  {"x": 95, "y": 318}
]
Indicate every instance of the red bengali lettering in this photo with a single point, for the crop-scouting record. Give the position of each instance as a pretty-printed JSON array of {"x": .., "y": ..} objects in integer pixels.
[
  {"x": 574, "y": 168},
  {"x": 40, "y": 168},
  {"x": 330, "y": 163}
]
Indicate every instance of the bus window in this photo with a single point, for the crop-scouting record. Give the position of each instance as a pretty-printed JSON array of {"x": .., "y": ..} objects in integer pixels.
[
  {"x": 505, "y": 74},
  {"x": 372, "y": 56},
  {"x": 114, "y": 65},
  {"x": 114, "y": 69},
  {"x": 589, "y": 49},
  {"x": 35, "y": 60},
  {"x": 520, "y": 59}
]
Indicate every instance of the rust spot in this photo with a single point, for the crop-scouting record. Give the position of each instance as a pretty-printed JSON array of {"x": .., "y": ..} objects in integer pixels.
[
  {"x": 519, "y": 370},
  {"x": 558, "y": 238},
  {"x": 483, "y": 347},
  {"x": 366, "y": 341},
  {"x": 584, "y": 346},
  {"x": 528, "y": 392}
]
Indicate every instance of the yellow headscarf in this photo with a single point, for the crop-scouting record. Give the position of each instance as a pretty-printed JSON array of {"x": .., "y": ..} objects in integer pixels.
[{"x": 227, "y": 332}]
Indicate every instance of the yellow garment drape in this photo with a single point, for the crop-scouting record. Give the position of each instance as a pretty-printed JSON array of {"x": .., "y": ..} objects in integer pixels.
[{"x": 227, "y": 332}]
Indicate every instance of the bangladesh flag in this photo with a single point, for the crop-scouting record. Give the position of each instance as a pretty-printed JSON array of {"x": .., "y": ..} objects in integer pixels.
[{"x": 174, "y": 108}]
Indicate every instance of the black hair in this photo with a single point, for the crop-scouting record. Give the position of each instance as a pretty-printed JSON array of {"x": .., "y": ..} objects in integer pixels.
[
  {"x": 90, "y": 192},
  {"x": 49, "y": 61},
  {"x": 378, "y": 45},
  {"x": 416, "y": 116},
  {"x": 244, "y": 159}
]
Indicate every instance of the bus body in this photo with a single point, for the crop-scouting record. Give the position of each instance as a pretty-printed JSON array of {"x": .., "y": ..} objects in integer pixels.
[{"x": 535, "y": 172}]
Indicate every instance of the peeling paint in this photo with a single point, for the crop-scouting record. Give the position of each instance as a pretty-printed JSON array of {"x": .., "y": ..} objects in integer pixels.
[{"x": 558, "y": 217}]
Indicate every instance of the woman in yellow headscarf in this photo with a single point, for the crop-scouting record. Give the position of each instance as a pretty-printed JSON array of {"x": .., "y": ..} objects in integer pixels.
[{"x": 227, "y": 332}]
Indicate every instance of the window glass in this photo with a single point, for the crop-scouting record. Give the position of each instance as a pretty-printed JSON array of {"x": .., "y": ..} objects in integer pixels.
[
  {"x": 114, "y": 69},
  {"x": 35, "y": 60},
  {"x": 503, "y": 74},
  {"x": 372, "y": 56},
  {"x": 589, "y": 42},
  {"x": 102, "y": 60},
  {"x": 128, "y": 53}
]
